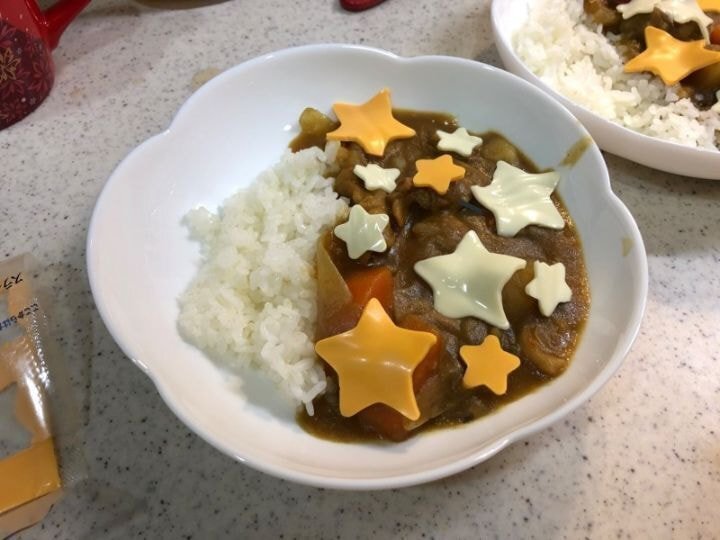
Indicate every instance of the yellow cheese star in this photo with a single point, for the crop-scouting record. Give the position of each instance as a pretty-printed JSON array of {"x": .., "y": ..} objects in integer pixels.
[
  {"x": 709, "y": 5},
  {"x": 488, "y": 364},
  {"x": 371, "y": 124},
  {"x": 669, "y": 58},
  {"x": 437, "y": 173},
  {"x": 375, "y": 361}
]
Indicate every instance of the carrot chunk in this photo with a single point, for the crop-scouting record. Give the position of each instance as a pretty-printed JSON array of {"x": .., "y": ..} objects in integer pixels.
[
  {"x": 374, "y": 282},
  {"x": 715, "y": 34},
  {"x": 386, "y": 421}
]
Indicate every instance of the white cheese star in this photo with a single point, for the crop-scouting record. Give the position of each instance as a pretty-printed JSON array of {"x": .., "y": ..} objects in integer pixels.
[
  {"x": 469, "y": 282},
  {"x": 518, "y": 198},
  {"x": 363, "y": 232},
  {"x": 549, "y": 286},
  {"x": 460, "y": 141},
  {"x": 375, "y": 177}
]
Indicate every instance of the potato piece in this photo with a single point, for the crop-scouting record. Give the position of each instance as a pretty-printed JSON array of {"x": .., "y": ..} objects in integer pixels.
[
  {"x": 313, "y": 122},
  {"x": 601, "y": 13},
  {"x": 498, "y": 149},
  {"x": 544, "y": 346}
]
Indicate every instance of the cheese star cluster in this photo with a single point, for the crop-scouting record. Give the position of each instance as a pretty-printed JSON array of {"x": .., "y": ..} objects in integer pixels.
[{"x": 376, "y": 359}]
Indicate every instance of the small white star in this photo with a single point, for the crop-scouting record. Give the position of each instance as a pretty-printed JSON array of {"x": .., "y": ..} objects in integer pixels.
[
  {"x": 517, "y": 198},
  {"x": 460, "y": 141},
  {"x": 375, "y": 177},
  {"x": 363, "y": 232},
  {"x": 469, "y": 282},
  {"x": 549, "y": 287}
]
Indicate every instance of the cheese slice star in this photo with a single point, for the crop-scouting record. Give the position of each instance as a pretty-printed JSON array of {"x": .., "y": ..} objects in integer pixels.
[
  {"x": 549, "y": 286},
  {"x": 518, "y": 198},
  {"x": 669, "y": 58},
  {"x": 460, "y": 141},
  {"x": 371, "y": 125},
  {"x": 375, "y": 177},
  {"x": 469, "y": 282},
  {"x": 680, "y": 11},
  {"x": 488, "y": 365},
  {"x": 363, "y": 232},
  {"x": 375, "y": 361},
  {"x": 437, "y": 173}
]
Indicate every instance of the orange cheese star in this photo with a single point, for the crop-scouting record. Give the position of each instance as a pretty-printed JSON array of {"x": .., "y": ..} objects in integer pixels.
[
  {"x": 669, "y": 58},
  {"x": 709, "y": 5},
  {"x": 375, "y": 361},
  {"x": 488, "y": 364},
  {"x": 371, "y": 125},
  {"x": 437, "y": 173}
]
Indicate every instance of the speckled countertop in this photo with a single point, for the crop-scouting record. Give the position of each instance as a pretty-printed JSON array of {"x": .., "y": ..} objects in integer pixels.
[{"x": 640, "y": 460}]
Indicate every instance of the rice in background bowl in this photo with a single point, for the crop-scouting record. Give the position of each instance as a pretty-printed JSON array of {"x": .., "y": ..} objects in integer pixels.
[
  {"x": 508, "y": 17},
  {"x": 562, "y": 47}
]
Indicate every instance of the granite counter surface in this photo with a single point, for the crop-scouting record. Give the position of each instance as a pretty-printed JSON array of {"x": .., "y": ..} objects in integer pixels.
[{"x": 641, "y": 459}]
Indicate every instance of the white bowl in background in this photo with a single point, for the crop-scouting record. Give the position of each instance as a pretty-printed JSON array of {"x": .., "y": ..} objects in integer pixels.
[
  {"x": 508, "y": 16},
  {"x": 140, "y": 258}
]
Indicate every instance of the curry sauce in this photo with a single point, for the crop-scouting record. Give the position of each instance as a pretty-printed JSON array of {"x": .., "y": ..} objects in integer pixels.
[{"x": 425, "y": 224}]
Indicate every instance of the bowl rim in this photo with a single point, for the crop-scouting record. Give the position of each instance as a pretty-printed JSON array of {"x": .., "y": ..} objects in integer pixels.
[
  {"x": 504, "y": 46},
  {"x": 404, "y": 479}
]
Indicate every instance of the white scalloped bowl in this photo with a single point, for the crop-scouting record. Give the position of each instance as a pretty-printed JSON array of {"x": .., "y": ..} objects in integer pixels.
[
  {"x": 509, "y": 16},
  {"x": 140, "y": 257}
]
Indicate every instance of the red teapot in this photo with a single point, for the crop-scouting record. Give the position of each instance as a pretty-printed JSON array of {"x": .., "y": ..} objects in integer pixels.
[{"x": 27, "y": 37}]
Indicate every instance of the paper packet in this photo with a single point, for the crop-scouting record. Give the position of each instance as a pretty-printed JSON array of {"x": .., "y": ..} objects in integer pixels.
[{"x": 39, "y": 422}]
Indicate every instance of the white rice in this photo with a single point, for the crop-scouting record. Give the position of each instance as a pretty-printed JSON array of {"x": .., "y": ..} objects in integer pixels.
[
  {"x": 252, "y": 302},
  {"x": 562, "y": 47}
]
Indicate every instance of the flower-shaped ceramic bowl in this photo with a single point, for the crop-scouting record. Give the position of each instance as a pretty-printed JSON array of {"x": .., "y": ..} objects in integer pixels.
[{"x": 140, "y": 258}]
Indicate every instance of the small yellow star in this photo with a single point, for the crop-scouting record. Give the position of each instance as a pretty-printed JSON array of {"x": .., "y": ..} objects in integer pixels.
[
  {"x": 437, "y": 173},
  {"x": 669, "y": 58},
  {"x": 488, "y": 364},
  {"x": 371, "y": 124},
  {"x": 375, "y": 362}
]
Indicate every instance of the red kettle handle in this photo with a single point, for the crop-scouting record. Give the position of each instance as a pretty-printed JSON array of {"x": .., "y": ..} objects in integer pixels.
[{"x": 59, "y": 16}]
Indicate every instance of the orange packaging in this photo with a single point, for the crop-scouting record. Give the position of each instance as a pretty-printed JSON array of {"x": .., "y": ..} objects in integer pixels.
[{"x": 30, "y": 478}]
